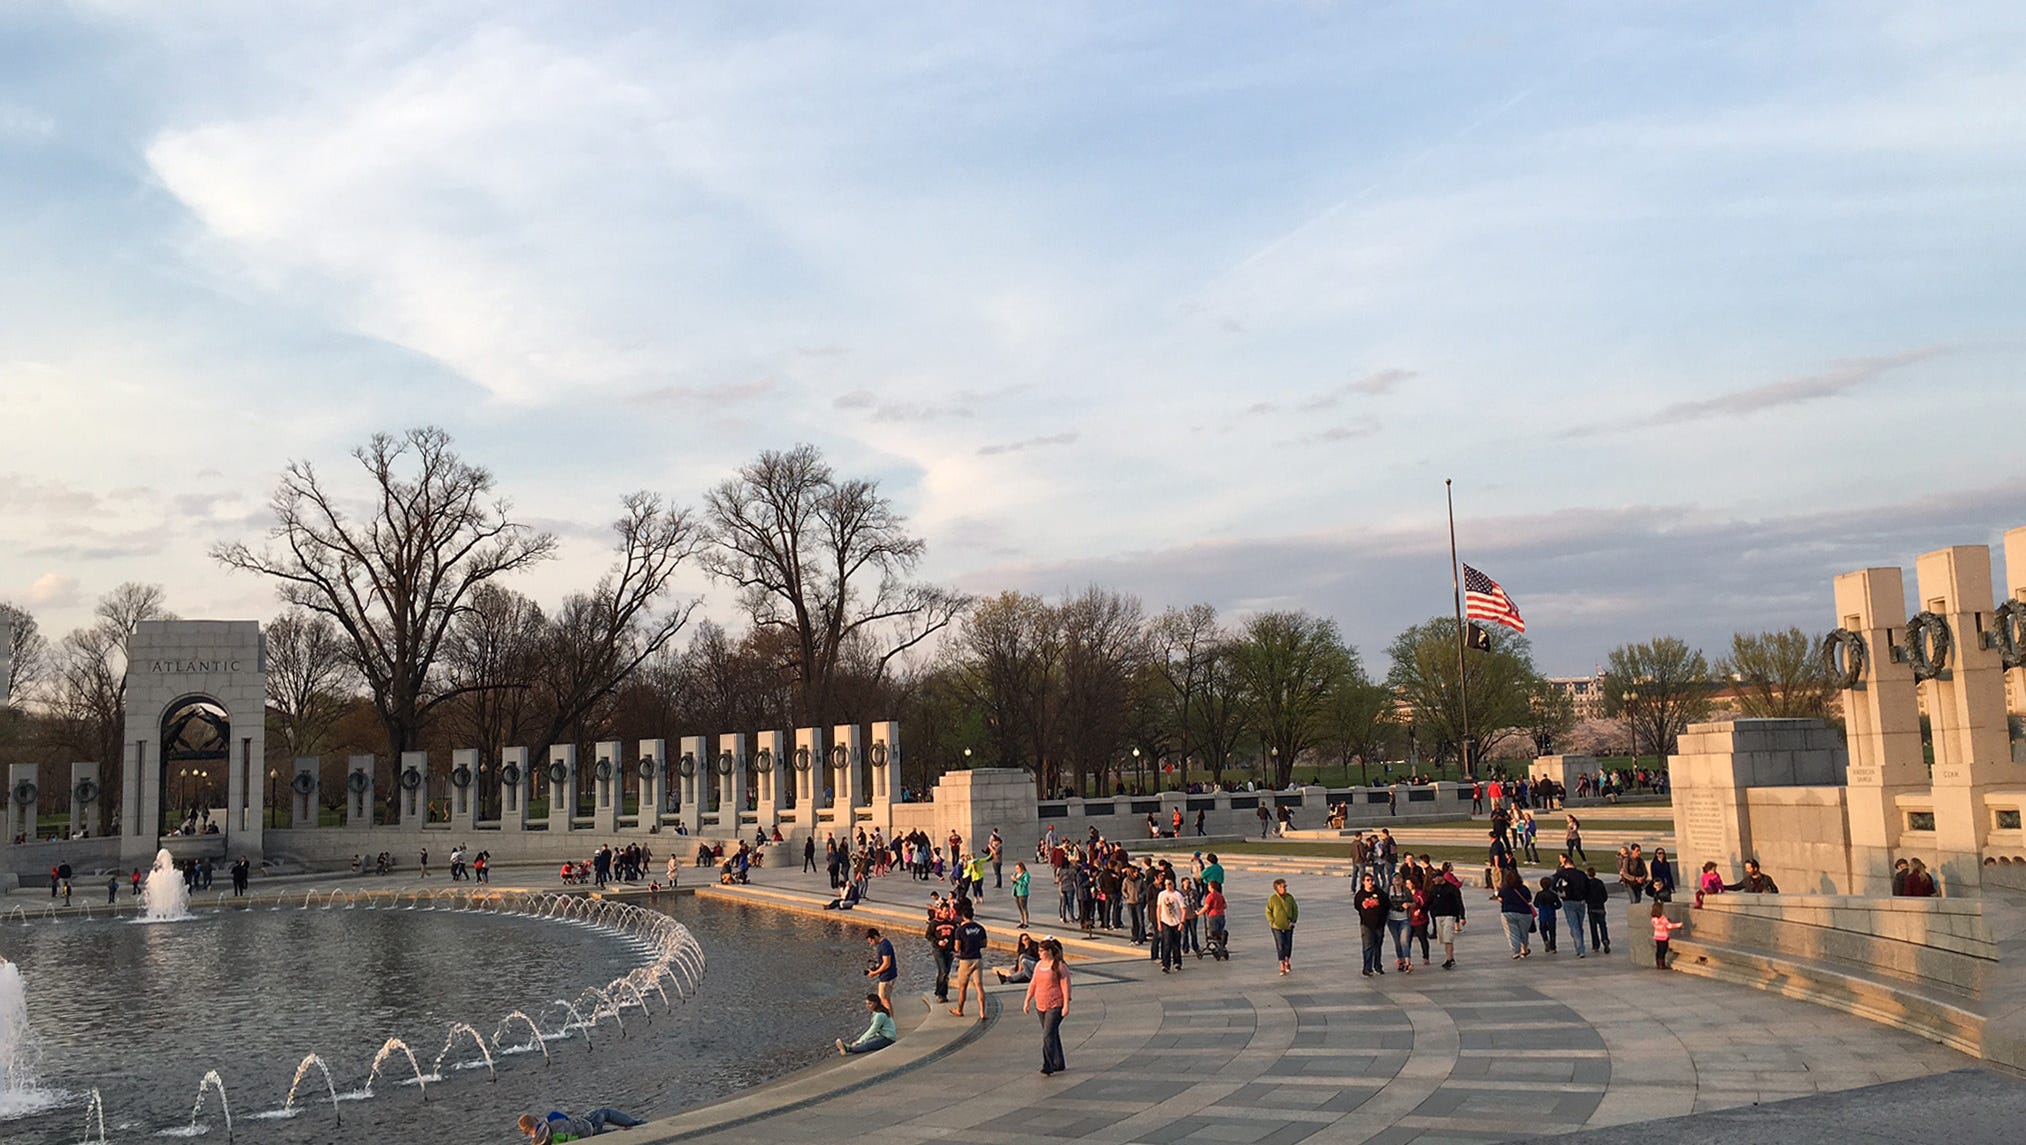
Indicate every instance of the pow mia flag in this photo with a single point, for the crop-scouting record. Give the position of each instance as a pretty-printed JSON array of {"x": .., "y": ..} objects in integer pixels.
[{"x": 1478, "y": 638}]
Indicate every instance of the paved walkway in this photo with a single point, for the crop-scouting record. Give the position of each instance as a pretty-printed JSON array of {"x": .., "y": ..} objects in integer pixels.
[{"x": 1232, "y": 1052}]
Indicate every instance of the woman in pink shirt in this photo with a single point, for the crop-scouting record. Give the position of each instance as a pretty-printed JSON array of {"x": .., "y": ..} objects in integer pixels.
[{"x": 1048, "y": 996}]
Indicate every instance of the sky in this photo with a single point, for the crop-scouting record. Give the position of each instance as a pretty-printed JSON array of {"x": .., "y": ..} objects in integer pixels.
[{"x": 1698, "y": 305}]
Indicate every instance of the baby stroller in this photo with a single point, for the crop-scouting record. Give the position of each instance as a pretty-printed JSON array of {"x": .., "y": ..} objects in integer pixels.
[{"x": 1216, "y": 944}]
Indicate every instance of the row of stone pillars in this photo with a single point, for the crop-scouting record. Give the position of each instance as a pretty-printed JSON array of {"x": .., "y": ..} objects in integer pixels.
[
  {"x": 1892, "y": 798},
  {"x": 790, "y": 786}
]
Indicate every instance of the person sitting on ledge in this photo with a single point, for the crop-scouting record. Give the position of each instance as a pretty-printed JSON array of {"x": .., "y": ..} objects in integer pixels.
[
  {"x": 879, "y": 1033},
  {"x": 1025, "y": 956},
  {"x": 559, "y": 1126},
  {"x": 847, "y": 897},
  {"x": 1755, "y": 882}
]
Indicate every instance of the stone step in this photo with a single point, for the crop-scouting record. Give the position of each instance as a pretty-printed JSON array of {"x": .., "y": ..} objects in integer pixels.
[{"x": 1939, "y": 1015}]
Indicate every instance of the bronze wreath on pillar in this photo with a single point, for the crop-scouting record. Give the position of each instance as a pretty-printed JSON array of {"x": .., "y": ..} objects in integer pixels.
[
  {"x": 1927, "y": 646},
  {"x": 1843, "y": 657}
]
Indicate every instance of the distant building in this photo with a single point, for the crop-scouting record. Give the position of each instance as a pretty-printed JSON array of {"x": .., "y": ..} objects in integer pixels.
[{"x": 1586, "y": 694}]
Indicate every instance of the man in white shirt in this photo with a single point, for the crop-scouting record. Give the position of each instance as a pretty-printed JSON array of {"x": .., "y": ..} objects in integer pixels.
[{"x": 1168, "y": 911}]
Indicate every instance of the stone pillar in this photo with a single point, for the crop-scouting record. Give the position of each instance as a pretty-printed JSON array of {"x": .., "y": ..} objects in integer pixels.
[
  {"x": 1966, "y": 710},
  {"x": 1882, "y": 725},
  {"x": 692, "y": 769},
  {"x": 770, "y": 757},
  {"x": 516, "y": 781},
  {"x": 359, "y": 791},
  {"x": 984, "y": 799},
  {"x": 653, "y": 771},
  {"x": 561, "y": 774},
  {"x": 140, "y": 802},
  {"x": 413, "y": 783},
  {"x": 884, "y": 755},
  {"x": 809, "y": 767},
  {"x": 2015, "y": 580},
  {"x": 464, "y": 791},
  {"x": 84, "y": 801},
  {"x": 851, "y": 776},
  {"x": 1714, "y": 773},
  {"x": 21, "y": 816},
  {"x": 609, "y": 775},
  {"x": 303, "y": 796},
  {"x": 732, "y": 801}
]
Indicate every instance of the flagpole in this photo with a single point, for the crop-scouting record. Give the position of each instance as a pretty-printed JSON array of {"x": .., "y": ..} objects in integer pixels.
[{"x": 1462, "y": 676}]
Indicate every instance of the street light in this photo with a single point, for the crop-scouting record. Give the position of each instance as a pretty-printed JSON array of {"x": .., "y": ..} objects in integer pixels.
[
  {"x": 1139, "y": 777},
  {"x": 1276, "y": 763},
  {"x": 272, "y": 775}
]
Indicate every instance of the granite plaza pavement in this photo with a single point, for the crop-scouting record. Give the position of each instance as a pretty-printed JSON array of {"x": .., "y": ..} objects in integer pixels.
[{"x": 1494, "y": 1050}]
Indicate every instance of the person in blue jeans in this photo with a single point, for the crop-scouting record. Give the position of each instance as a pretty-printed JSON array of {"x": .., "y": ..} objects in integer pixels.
[
  {"x": 1574, "y": 887},
  {"x": 1373, "y": 905},
  {"x": 559, "y": 1126},
  {"x": 879, "y": 1032}
]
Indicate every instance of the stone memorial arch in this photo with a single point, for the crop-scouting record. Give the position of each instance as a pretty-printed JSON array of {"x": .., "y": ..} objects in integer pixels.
[{"x": 195, "y": 738}]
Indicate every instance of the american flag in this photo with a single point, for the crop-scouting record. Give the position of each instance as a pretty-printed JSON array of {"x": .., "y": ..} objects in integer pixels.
[{"x": 1484, "y": 600}]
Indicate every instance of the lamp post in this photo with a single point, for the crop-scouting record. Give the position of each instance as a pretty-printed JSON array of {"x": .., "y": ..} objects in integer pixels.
[
  {"x": 272, "y": 775},
  {"x": 1139, "y": 777},
  {"x": 1275, "y": 752},
  {"x": 1630, "y": 697}
]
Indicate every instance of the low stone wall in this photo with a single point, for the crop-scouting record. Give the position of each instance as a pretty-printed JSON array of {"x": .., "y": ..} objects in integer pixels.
[
  {"x": 29, "y": 863},
  {"x": 1936, "y": 941},
  {"x": 1921, "y": 965},
  {"x": 1237, "y": 813}
]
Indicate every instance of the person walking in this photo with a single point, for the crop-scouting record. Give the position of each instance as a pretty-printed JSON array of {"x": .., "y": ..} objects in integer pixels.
[
  {"x": 808, "y": 855},
  {"x": 1572, "y": 836},
  {"x": 1265, "y": 817},
  {"x": 1399, "y": 921},
  {"x": 1516, "y": 911},
  {"x": 1021, "y": 881},
  {"x": 1282, "y": 912},
  {"x": 1133, "y": 891},
  {"x": 1048, "y": 997},
  {"x": 1169, "y": 908},
  {"x": 1574, "y": 887},
  {"x": 1600, "y": 918},
  {"x": 1547, "y": 904},
  {"x": 1373, "y": 906},
  {"x": 1445, "y": 908}
]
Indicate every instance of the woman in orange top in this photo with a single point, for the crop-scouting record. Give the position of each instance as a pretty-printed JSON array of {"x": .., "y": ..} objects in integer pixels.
[{"x": 1048, "y": 996}]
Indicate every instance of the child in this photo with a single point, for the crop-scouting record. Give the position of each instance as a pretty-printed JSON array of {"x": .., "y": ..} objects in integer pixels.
[
  {"x": 1662, "y": 928},
  {"x": 1548, "y": 903}
]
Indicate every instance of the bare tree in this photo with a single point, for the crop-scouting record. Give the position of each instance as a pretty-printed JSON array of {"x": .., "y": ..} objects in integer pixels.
[
  {"x": 1012, "y": 644},
  {"x": 27, "y": 653},
  {"x": 489, "y": 660},
  {"x": 1187, "y": 645},
  {"x": 599, "y": 638},
  {"x": 310, "y": 682},
  {"x": 88, "y": 693},
  {"x": 826, "y": 560},
  {"x": 395, "y": 579},
  {"x": 1104, "y": 640}
]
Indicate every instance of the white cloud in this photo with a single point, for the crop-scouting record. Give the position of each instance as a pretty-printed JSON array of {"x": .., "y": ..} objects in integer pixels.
[{"x": 53, "y": 590}]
